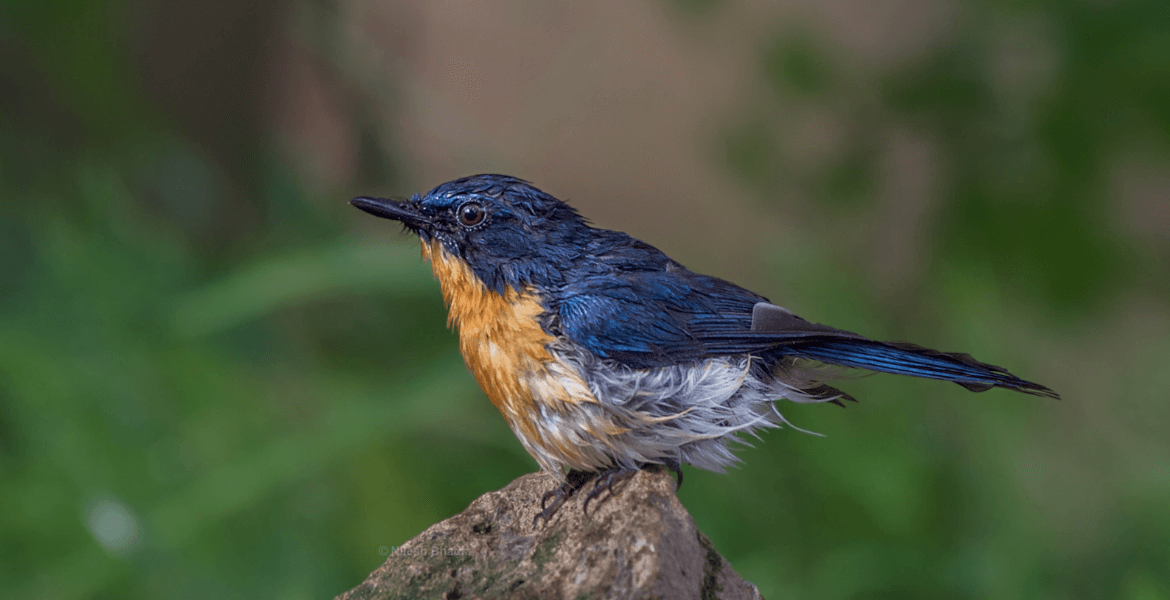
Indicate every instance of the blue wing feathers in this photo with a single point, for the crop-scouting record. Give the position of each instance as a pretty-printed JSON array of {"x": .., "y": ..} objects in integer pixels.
[{"x": 631, "y": 303}]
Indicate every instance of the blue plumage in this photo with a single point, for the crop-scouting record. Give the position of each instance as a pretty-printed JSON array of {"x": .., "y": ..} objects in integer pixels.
[
  {"x": 639, "y": 360},
  {"x": 625, "y": 300}
]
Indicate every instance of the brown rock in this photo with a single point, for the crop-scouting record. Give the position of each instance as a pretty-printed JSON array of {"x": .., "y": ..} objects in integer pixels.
[{"x": 641, "y": 543}]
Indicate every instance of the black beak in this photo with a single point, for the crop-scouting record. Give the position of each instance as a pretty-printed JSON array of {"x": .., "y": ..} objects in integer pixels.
[{"x": 397, "y": 210}]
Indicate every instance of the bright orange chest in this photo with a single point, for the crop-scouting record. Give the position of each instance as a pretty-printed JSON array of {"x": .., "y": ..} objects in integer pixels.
[
  {"x": 499, "y": 335},
  {"x": 547, "y": 403}
]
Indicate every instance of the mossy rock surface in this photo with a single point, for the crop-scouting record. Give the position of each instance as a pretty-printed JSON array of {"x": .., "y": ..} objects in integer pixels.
[{"x": 640, "y": 543}]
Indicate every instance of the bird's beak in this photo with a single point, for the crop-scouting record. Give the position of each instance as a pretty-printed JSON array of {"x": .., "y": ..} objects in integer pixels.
[{"x": 397, "y": 210}]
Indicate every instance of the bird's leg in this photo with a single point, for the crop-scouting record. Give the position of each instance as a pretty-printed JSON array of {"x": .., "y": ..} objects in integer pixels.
[
  {"x": 605, "y": 481},
  {"x": 674, "y": 466},
  {"x": 574, "y": 480}
]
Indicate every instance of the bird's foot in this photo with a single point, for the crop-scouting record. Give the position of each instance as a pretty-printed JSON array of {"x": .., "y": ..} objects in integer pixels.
[
  {"x": 574, "y": 481},
  {"x": 605, "y": 481},
  {"x": 674, "y": 466}
]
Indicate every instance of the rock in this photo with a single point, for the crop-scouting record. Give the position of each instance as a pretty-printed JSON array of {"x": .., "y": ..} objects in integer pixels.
[{"x": 641, "y": 543}]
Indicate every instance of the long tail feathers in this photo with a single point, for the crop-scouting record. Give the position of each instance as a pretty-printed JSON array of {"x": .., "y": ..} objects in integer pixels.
[
  {"x": 792, "y": 336},
  {"x": 909, "y": 359}
]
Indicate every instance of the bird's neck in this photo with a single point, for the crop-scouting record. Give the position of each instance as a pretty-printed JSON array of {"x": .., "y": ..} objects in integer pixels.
[
  {"x": 470, "y": 304},
  {"x": 500, "y": 336}
]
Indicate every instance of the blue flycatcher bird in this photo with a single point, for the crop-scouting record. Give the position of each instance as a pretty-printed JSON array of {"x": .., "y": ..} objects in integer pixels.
[{"x": 606, "y": 356}]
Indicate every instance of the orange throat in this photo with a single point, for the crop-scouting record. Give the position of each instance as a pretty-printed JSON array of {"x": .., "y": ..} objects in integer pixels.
[
  {"x": 499, "y": 335},
  {"x": 547, "y": 404}
]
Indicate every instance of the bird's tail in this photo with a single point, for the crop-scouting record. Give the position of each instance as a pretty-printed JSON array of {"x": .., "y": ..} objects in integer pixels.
[
  {"x": 788, "y": 335},
  {"x": 902, "y": 358}
]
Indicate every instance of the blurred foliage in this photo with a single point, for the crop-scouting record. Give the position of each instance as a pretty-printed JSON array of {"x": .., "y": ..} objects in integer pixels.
[
  {"x": 1028, "y": 220},
  {"x": 209, "y": 386},
  {"x": 792, "y": 64},
  {"x": 1026, "y": 177}
]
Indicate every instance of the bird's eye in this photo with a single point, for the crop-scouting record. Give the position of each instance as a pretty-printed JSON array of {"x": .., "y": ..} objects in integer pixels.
[{"x": 471, "y": 214}]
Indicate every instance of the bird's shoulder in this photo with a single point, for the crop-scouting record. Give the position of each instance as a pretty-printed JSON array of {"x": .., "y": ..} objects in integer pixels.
[{"x": 625, "y": 299}]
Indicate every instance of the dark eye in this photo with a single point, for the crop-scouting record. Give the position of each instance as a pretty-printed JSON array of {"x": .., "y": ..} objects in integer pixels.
[{"x": 471, "y": 214}]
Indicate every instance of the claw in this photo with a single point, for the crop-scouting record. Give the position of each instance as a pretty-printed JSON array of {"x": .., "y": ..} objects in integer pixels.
[
  {"x": 605, "y": 481},
  {"x": 549, "y": 494},
  {"x": 574, "y": 480},
  {"x": 674, "y": 466}
]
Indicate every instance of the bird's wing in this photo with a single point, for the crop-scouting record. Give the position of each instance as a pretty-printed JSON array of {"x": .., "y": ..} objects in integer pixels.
[{"x": 654, "y": 318}]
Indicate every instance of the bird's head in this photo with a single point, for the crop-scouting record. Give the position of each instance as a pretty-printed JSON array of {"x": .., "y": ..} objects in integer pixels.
[{"x": 508, "y": 233}]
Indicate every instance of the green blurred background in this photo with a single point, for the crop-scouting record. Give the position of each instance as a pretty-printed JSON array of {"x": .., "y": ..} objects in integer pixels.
[{"x": 217, "y": 379}]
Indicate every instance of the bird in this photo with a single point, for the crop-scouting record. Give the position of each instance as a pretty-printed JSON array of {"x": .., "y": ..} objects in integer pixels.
[{"x": 605, "y": 356}]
